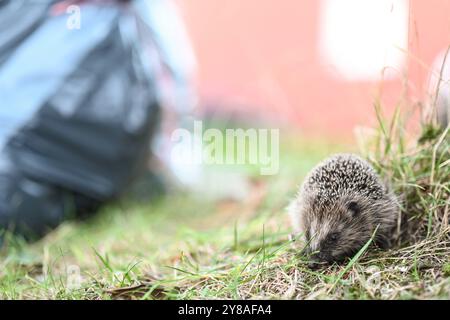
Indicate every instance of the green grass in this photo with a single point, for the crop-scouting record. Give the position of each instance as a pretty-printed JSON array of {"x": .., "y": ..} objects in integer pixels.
[
  {"x": 178, "y": 238},
  {"x": 184, "y": 246}
]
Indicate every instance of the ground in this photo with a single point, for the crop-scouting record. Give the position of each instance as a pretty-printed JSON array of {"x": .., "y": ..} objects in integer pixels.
[{"x": 185, "y": 246}]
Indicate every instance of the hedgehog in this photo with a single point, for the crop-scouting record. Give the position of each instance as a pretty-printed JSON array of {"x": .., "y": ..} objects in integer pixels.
[{"x": 341, "y": 204}]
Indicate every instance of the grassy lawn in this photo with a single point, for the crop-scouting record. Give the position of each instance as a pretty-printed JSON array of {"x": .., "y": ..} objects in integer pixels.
[{"x": 187, "y": 246}]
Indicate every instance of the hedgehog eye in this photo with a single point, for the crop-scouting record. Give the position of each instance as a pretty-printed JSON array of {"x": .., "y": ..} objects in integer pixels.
[
  {"x": 354, "y": 209},
  {"x": 333, "y": 237}
]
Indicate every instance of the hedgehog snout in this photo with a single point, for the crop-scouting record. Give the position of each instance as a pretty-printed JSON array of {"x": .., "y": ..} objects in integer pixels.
[
  {"x": 324, "y": 250},
  {"x": 319, "y": 258}
]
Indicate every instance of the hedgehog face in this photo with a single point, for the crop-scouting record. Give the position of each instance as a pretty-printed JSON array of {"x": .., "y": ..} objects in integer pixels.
[
  {"x": 340, "y": 204},
  {"x": 337, "y": 231}
]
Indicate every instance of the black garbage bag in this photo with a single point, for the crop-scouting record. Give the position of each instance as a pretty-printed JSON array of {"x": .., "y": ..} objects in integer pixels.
[{"x": 77, "y": 121}]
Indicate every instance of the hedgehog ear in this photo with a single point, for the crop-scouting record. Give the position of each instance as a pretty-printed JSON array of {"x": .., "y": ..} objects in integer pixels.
[{"x": 353, "y": 208}]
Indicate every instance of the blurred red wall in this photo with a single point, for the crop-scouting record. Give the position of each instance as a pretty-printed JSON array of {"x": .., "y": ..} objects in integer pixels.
[{"x": 260, "y": 58}]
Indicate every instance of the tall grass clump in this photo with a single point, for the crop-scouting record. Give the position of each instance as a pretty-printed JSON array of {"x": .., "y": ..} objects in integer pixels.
[{"x": 417, "y": 167}]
